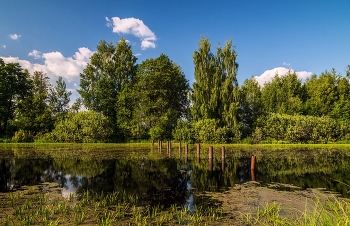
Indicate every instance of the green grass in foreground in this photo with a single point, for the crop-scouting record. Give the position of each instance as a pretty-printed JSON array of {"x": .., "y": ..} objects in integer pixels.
[{"x": 33, "y": 207}]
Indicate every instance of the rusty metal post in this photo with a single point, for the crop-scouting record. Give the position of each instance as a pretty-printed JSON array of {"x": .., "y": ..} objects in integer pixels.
[
  {"x": 186, "y": 153},
  {"x": 252, "y": 165},
  {"x": 169, "y": 146},
  {"x": 223, "y": 152},
  {"x": 223, "y": 165}
]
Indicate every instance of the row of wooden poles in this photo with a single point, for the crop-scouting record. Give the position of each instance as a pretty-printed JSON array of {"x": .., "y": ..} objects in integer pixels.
[{"x": 210, "y": 155}]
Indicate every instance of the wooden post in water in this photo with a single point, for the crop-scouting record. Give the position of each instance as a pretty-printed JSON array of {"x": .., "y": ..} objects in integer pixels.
[
  {"x": 211, "y": 158},
  {"x": 252, "y": 167},
  {"x": 198, "y": 153},
  {"x": 222, "y": 158},
  {"x": 179, "y": 149},
  {"x": 186, "y": 153}
]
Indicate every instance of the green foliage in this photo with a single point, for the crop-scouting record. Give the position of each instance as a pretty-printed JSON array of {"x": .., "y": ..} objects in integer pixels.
[
  {"x": 59, "y": 97},
  {"x": 284, "y": 94},
  {"x": 215, "y": 91},
  {"x": 323, "y": 93},
  {"x": 183, "y": 131},
  {"x": 14, "y": 87},
  {"x": 110, "y": 70},
  {"x": 251, "y": 104},
  {"x": 34, "y": 112},
  {"x": 159, "y": 97},
  {"x": 299, "y": 128},
  {"x": 84, "y": 126},
  {"x": 210, "y": 131},
  {"x": 257, "y": 136},
  {"x": 22, "y": 136}
]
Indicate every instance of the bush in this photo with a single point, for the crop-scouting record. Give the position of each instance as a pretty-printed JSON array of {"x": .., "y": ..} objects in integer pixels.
[
  {"x": 82, "y": 127},
  {"x": 183, "y": 131},
  {"x": 209, "y": 131},
  {"x": 299, "y": 128},
  {"x": 22, "y": 136}
]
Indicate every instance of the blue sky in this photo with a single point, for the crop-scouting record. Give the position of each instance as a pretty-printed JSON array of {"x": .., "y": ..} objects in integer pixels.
[{"x": 306, "y": 36}]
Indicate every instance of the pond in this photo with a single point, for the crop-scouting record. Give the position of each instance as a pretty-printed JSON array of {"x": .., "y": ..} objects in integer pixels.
[{"x": 161, "y": 177}]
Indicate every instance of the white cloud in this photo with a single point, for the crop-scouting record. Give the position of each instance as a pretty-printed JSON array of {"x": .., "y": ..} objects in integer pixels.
[
  {"x": 135, "y": 27},
  {"x": 55, "y": 64},
  {"x": 287, "y": 64},
  {"x": 137, "y": 54},
  {"x": 3, "y": 46},
  {"x": 35, "y": 53},
  {"x": 268, "y": 75},
  {"x": 14, "y": 36}
]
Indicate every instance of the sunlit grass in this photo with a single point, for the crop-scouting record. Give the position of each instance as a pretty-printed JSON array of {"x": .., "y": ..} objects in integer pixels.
[
  {"x": 335, "y": 212},
  {"x": 29, "y": 208}
]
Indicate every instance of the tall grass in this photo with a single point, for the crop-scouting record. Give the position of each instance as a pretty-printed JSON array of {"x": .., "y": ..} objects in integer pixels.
[{"x": 330, "y": 212}]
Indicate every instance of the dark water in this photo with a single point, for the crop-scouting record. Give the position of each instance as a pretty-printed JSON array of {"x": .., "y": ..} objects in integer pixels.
[{"x": 172, "y": 178}]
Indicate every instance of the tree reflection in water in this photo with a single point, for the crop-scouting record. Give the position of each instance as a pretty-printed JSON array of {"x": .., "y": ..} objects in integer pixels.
[{"x": 157, "y": 179}]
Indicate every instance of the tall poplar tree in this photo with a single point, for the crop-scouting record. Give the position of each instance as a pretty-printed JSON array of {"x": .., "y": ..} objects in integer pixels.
[{"x": 215, "y": 91}]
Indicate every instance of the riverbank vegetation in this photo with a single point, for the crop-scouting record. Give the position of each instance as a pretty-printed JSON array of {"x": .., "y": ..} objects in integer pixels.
[{"x": 122, "y": 101}]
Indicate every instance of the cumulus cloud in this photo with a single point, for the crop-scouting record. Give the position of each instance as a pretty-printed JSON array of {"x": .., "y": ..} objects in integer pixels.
[
  {"x": 135, "y": 27},
  {"x": 137, "y": 54},
  {"x": 14, "y": 36},
  {"x": 268, "y": 75},
  {"x": 287, "y": 64},
  {"x": 35, "y": 53},
  {"x": 55, "y": 64},
  {"x": 3, "y": 46}
]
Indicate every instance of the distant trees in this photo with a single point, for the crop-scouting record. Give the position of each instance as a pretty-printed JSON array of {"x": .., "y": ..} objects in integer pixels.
[{"x": 154, "y": 100}]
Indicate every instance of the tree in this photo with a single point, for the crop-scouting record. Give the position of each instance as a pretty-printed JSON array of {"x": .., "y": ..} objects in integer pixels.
[
  {"x": 284, "y": 94},
  {"x": 15, "y": 85},
  {"x": 215, "y": 91},
  {"x": 109, "y": 70},
  {"x": 251, "y": 104},
  {"x": 322, "y": 93},
  {"x": 59, "y": 97},
  {"x": 34, "y": 112},
  {"x": 160, "y": 97}
]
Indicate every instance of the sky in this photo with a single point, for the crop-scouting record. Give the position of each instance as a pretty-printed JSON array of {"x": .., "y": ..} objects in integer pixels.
[{"x": 58, "y": 37}]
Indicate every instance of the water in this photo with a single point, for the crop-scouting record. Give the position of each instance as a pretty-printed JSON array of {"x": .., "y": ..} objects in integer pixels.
[{"x": 160, "y": 178}]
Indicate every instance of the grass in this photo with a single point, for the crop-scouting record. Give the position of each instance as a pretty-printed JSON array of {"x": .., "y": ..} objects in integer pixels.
[
  {"x": 336, "y": 212},
  {"x": 38, "y": 208}
]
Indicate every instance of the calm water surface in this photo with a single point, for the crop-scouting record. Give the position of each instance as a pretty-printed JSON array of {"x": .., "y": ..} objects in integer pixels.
[{"x": 159, "y": 177}]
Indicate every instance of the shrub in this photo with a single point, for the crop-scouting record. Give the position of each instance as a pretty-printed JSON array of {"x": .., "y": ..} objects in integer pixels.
[
  {"x": 209, "y": 131},
  {"x": 82, "y": 127},
  {"x": 183, "y": 131},
  {"x": 22, "y": 136}
]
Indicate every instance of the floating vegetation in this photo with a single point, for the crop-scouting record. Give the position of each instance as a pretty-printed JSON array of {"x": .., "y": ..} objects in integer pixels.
[{"x": 40, "y": 208}]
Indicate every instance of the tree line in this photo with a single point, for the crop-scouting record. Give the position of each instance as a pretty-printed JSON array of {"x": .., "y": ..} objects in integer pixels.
[{"x": 121, "y": 100}]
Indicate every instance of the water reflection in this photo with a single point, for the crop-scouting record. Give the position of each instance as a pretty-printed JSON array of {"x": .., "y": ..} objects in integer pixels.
[{"x": 166, "y": 178}]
